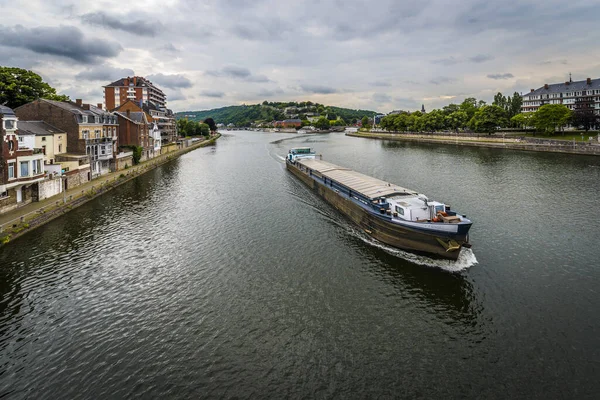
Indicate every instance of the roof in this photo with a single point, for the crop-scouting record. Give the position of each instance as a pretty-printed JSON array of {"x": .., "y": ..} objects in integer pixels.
[
  {"x": 38, "y": 128},
  {"x": 69, "y": 106},
  {"x": 564, "y": 87},
  {"x": 369, "y": 187},
  {"x": 139, "y": 117},
  {"x": 6, "y": 111}
]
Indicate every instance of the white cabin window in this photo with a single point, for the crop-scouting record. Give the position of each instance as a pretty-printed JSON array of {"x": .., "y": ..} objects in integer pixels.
[{"x": 400, "y": 210}]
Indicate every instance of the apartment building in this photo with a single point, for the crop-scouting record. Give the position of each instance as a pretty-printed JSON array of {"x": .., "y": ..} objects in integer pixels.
[
  {"x": 137, "y": 89},
  {"x": 574, "y": 95}
]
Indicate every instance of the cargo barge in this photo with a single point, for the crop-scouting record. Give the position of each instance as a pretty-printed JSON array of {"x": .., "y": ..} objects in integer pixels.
[{"x": 391, "y": 214}]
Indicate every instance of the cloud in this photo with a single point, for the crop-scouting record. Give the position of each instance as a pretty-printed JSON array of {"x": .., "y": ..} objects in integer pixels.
[
  {"x": 174, "y": 81},
  {"x": 269, "y": 92},
  {"x": 62, "y": 41},
  {"x": 382, "y": 98},
  {"x": 211, "y": 93},
  {"x": 380, "y": 84},
  {"x": 104, "y": 73},
  {"x": 138, "y": 27},
  {"x": 446, "y": 61},
  {"x": 317, "y": 89},
  {"x": 507, "y": 75},
  {"x": 238, "y": 73},
  {"x": 442, "y": 79},
  {"x": 169, "y": 47},
  {"x": 479, "y": 58}
]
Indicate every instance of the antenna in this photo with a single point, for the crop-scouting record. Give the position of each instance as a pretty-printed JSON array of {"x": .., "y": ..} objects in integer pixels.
[{"x": 570, "y": 80}]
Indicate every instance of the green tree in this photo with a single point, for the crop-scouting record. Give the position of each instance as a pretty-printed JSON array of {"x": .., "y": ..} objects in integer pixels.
[
  {"x": 550, "y": 117},
  {"x": 469, "y": 106},
  {"x": 20, "y": 86},
  {"x": 365, "y": 121},
  {"x": 488, "y": 119},
  {"x": 457, "y": 120},
  {"x": 322, "y": 123},
  {"x": 450, "y": 108},
  {"x": 204, "y": 129},
  {"x": 585, "y": 119},
  {"x": 522, "y": 120}
]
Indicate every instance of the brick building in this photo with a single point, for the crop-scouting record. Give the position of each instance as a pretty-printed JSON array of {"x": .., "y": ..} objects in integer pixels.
[
  {"x": 134, "y": 130},
  {"x": 136, "y": 88},
  {"x": 90, "y": 130}
]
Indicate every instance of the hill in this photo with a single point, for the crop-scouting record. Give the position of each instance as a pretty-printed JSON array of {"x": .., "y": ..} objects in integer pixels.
[{"x": 246, "y": 115}]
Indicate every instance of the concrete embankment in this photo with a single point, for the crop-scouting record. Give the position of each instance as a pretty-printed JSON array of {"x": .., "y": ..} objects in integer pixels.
[
  {"x": 550, "y": 146},
  {"x": 24, "y": 219}
]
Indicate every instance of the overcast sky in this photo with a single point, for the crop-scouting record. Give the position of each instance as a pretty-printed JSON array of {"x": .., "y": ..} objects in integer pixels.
[{"x": 379, "y": 55}]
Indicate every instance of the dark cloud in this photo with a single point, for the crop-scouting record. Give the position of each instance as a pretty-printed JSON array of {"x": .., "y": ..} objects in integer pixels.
[
  {"x": 212, "y": 93},
  {"x": 380, "y": 84},
  {"x": 548, "y": 62},
  {"x": 63, "y": 41},
  {"x": 507, "y": 75},
  {"x": 169, "y": 47},
  {"x": 442, "y": 79},
  {"x": 238, "y": 73},
  {"x": 479, "y": 58},
  {"x": 318, "y": 89},
  {"x": 176, "y": 95},
  {"x": 138, "y": 27},
  {"x": 171, "y": 81},
  {"x": 104, "y": 73}
]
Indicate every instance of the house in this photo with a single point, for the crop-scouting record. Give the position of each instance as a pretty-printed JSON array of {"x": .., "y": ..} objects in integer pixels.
[
  {"x": 21, "y": 164},
  {"x": 134, "y": 130},
  {"x": 50, "y": 139},
  {"x": 574, "y": 95},
  {"x": 91, "y": 131},
  {"x": 288, "y": 123}
]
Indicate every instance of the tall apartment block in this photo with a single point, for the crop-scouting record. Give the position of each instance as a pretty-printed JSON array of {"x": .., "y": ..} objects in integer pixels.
[
  {"x": 137, "y": 89},
  {"x": 576, "y": 95}
]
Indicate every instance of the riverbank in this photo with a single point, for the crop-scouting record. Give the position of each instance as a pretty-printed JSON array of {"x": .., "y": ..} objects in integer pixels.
[
  {"x": 551, "y": 146},
  {"x": 22, "y": 220}
]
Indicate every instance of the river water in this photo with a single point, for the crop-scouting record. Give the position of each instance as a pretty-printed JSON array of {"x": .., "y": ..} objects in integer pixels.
[{"x": 220, "y": 275}]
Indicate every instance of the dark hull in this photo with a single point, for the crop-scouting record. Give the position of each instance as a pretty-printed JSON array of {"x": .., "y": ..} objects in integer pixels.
[{"x": 377, "y": 227}]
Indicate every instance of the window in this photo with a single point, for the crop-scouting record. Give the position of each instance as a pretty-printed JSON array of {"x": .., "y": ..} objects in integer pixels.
[
  {"x": 3, "y": 194},
  {"x": 85, "y": 134},
  {"x": 24, "y": 168},
  {"x": 43, "y": 138},
  {"x": 85, "y": 119},
  {"x": 400, "y": 210},
  {"x": 60, "y": 148},
  {"x": 11, "y": 170},
  {"x": 10, "y": 124},
  {"x": 21, "y": 138},
  {"x": 36, "y": 167}
]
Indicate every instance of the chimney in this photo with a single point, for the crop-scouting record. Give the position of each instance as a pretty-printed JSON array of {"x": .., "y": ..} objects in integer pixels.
[
  {"x": 532, "y": 90},
  {"x": 589, "y": 81},
  {"x": 99, "y": 105},
  {"x": 545, "y": 86},
  {"x": 79, "y": 102},
  {"x": 85, "y": 106},
  {"x": 128, "y": 114},
  {"x": 126, "y": 82},
  {"x": 134, "y": 80},
  {"x": 567, "y": 83}
]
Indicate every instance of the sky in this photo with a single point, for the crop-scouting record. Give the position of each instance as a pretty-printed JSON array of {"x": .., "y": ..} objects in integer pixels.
[{"x": 378, "y": 55}]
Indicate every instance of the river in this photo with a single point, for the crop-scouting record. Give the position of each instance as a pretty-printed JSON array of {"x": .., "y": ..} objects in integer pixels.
[{"x": 220, "y": 275}]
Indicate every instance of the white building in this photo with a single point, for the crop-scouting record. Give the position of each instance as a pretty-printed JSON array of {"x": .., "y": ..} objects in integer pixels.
[{"x": 574, "y": 95}]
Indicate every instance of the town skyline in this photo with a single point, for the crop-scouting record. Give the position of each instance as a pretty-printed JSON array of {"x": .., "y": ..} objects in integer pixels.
[{"x": 395, "y": 56}]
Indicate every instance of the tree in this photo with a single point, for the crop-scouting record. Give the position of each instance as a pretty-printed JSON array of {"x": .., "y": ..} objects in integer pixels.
[
  {"x": 450, "y": 108},
  {"x": 585, "y": 119},
  {"x": 365, "y": 121},
  {"x": 550, "y": 117},
  {"x": 204, "y": 129},
  {"x": 20, "y": 86},
  {"x": 469, "y": 106},
  {"x": 515, "y": 104},
  {"x": 522, "y": 120},
  {"x": 322, "y": 123},
  {"x": 211, "y": 124},
  {"x": 457, "y": 120},
  {"x": 488, "y": 119}
]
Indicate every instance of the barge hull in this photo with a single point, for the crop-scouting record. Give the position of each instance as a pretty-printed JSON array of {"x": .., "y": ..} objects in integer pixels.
[{"x": 378, "y": 228}]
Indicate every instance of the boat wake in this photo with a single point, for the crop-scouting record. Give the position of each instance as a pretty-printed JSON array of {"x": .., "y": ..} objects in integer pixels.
[{"x": 466, "y": 258}]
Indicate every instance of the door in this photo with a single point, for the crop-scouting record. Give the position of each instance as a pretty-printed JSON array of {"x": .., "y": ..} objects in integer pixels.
[
  {"x": 19, "y": 195},
  {"x": 35, "y": 192}
]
